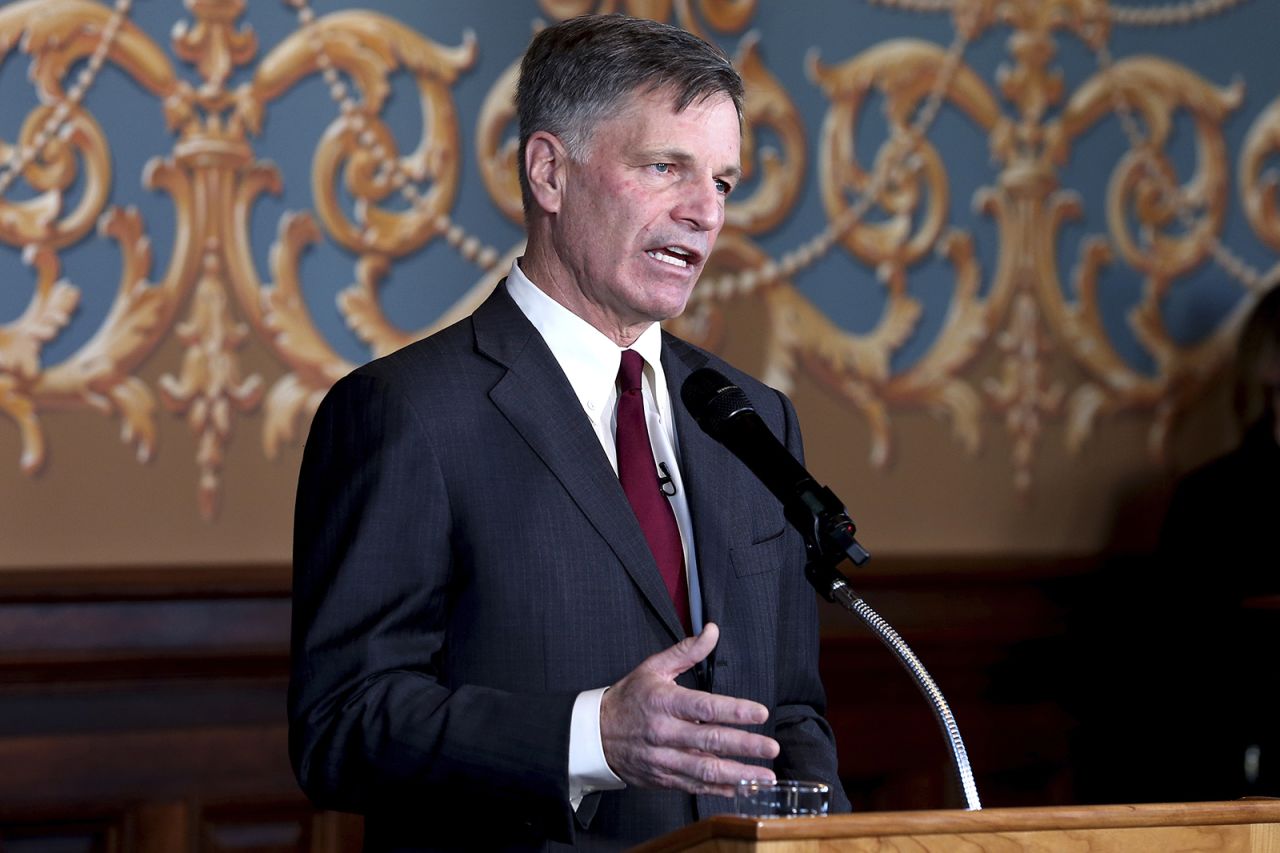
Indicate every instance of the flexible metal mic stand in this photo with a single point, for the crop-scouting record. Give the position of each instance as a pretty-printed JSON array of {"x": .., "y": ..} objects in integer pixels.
[{"x": 832, "y": 585}]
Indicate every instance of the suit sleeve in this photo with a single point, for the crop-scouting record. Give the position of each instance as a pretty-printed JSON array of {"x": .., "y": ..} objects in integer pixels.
[
  {"x": 373, "y": 723},
  {"x": 808, "y": 748}
]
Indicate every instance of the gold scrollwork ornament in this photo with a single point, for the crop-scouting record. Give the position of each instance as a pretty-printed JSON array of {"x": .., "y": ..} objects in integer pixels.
[{"x": 60, "y": 35}]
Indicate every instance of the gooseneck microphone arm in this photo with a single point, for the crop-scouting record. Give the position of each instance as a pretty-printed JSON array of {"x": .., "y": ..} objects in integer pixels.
[
  {"x": 834, "y": 586},
  {"x": 724, "y": 412}
]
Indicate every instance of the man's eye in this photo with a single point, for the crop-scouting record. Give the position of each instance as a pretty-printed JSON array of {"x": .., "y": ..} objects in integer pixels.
[
  {"x": 724, "y": 187},
  {"x": 661, "y": 168}
]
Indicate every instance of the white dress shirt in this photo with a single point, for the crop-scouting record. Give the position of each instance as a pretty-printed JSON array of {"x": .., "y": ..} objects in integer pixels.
[{"x": 590, "y": 361}]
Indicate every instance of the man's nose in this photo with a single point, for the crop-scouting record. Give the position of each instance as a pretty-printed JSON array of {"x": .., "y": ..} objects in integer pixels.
[{"x": 701, "y": 205}]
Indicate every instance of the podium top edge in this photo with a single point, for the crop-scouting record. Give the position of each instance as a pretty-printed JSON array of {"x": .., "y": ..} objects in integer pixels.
[{"x": 873, "y": 824}]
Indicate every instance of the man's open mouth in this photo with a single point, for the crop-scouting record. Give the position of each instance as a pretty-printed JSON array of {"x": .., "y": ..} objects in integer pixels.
[{"x": 677, "y": 256}]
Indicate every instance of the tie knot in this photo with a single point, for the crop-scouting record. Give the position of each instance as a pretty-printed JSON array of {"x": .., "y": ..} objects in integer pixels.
[{"x": 630, "y": 371}]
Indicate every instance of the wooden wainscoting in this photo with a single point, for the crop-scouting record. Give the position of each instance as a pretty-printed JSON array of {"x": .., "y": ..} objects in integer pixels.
[
  {"x": 143, "y": 709},
  {"x": 978, "y": 626}
]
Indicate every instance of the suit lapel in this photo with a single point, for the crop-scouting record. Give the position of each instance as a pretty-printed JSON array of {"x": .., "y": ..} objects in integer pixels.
[
  {"x": 708, "y": 471},
  {"x": 536, "y": 397}
]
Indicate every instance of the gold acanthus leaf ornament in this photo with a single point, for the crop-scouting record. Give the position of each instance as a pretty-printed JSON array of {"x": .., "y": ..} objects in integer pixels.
[
  {"x": 358, "y": 148},
  {"x": 42, "y": 220},
  {"x": 781, "y": 178},
  {"x": 857, "y": 366},
  {"x": 292, "y": 334},
  {"x": 20, "y": 344},
  {"x": 726, "y": 16},
  {"x": 100, "y": 373},
  {"x": 210, "y": 384},
  {"x": 1022, "y": 392},
  {"x": 213, "y": 44},
  {"x": 498, "y": 145},
  {"x": 46, "y": 315},
  {"x": 1156, "y": 90},
  {"x": 903, "y": 72},
  {"x": 888, "y": 208},
  {"x": 1176, "y": 224},
  {"x": 60, "y": 35},
  {"x": 1260, "y": 185}
]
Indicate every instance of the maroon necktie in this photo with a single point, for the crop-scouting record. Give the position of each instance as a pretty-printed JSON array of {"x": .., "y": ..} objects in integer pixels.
[{"x": 639, "y": 478}]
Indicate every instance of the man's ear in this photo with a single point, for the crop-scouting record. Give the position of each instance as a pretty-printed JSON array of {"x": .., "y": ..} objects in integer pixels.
[{"x": 545, "y": 164}]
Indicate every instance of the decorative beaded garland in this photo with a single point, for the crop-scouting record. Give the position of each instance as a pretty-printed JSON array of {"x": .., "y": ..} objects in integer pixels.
[
  {"x": 22, "y": 155},
  {"x": 1224, "y": 257},
  {"x": 1155, "y": 16},
  {"x": 797, "y": 259},
  {"x": 473, "y": 249},
  {"x": 390, "y": 169},
  {"x": 745, "y": 281}
]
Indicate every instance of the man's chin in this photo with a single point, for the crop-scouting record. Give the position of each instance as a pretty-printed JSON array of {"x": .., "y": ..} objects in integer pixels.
[
  {"x": 670, "y": 313},
  {"x": 674, "y": 307}
]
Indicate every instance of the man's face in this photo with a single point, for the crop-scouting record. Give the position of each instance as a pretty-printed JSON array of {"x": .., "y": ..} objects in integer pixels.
[{"x": 640, "y": 214}]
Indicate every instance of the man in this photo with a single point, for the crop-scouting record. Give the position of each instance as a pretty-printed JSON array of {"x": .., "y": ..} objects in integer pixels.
[{"x": 479, "y": 555}]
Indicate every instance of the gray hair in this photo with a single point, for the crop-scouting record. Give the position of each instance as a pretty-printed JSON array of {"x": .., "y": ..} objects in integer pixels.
[{"x": 581, "y": 71}]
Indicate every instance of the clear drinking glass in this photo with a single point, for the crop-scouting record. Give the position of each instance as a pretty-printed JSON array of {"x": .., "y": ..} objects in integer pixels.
[{"x": 784, "y": 798}]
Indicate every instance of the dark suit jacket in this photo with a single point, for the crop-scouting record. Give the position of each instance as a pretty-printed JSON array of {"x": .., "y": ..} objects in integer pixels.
[{"x": 466, "y": 563}]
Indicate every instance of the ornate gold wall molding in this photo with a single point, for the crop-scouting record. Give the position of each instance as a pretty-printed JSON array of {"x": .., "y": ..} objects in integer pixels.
[
  {"x": 213, "y": 179},
  {"x": 1160, "y": 225},
  {"x": 887, "y": 209}
]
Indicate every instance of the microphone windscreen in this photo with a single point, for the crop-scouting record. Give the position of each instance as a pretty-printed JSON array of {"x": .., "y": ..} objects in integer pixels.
[{"x": 712, "y": 399}]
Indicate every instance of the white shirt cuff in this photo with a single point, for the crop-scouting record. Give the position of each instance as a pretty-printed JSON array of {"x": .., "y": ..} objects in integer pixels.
[{"x": 588, "y": 770}]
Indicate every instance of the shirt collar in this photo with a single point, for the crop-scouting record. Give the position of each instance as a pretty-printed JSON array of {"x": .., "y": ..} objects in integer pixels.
[{"x": 588, "y": 358}]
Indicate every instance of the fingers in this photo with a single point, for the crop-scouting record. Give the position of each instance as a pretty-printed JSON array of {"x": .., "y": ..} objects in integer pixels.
[
  {"x": 712, "y": 740},
  {"x": 698, "y": 707},
  {"x": 656, "y": 733},
  {"x": 685, "y": 654},
  {"x": 704, "y": 774}
]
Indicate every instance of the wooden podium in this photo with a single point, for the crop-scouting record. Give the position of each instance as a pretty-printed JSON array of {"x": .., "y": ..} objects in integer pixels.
[{"x": 1242, "y": 825}]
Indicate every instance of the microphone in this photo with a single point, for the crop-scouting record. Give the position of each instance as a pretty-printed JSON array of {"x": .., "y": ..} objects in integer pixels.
[
  {"x": 724, "y": 413},
  {"x": 665, "y": 481}
]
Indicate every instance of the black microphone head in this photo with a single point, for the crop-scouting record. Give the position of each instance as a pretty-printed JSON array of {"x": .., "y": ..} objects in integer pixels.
[{"x": 712, "y": 399}]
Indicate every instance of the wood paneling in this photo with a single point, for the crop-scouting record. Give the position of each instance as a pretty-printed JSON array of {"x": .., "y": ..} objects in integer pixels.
[
  {"x": 145, "y": 707},
  {"x": 146, "y": 710}
]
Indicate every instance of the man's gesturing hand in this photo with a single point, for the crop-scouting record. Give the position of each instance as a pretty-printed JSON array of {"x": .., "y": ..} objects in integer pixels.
[{"x": 657, "y": 734}]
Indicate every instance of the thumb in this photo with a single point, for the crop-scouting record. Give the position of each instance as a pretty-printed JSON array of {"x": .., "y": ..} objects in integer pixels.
[{"x": 685, "y": 654}]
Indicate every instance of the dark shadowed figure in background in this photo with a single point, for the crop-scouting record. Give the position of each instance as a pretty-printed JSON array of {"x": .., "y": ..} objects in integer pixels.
[
  {"x": 1169, "y": 660},
  {"x": 1218, "y": 545}
]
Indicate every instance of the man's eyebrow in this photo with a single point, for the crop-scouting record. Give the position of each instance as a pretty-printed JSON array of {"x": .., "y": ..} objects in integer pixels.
[{"x": 668, "y": 155}]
